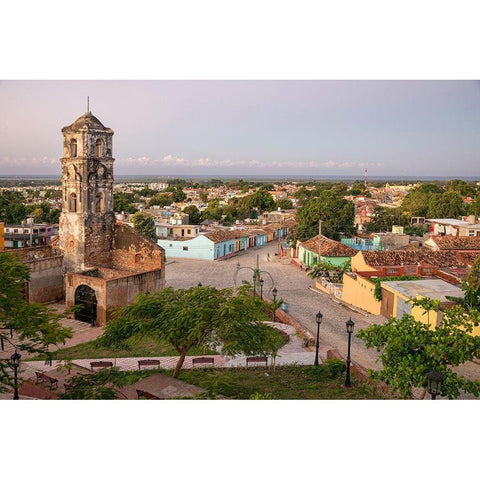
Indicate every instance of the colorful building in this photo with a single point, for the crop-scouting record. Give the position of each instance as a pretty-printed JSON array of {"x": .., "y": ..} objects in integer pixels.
[{"x": 336, "y": 253}]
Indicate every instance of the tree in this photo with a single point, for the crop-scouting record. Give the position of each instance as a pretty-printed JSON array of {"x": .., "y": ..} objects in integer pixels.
[
  {"x": 145, "y": 224},
  {"x": 336, "y": 213},
  {"x": 284, "y": 204},
  {"x": 415, "y": 204},
  {"x": 12, "y": 207},
  {"x": 473, "y": 278},
  {"x": 383, "y": 218},
  {"x": 162, "y": 200},
  {"x": 333, "y": 273},
  {"x": 409, "y": 349},
  {"x": 36, "y": 326},
  {"x": 194, "y": 215},
  {"x": 460, "y": 186},
  {"x": 122, "y": 202},
  {"x": 445, "y": 205},
  {"x": 201, "y": 317}
]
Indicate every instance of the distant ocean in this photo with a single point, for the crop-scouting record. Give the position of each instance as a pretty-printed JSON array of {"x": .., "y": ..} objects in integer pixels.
[{"x": 157, "y": 178}]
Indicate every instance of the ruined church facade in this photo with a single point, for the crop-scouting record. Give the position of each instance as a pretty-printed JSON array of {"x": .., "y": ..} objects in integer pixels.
[{"x": 95, "y": 262}]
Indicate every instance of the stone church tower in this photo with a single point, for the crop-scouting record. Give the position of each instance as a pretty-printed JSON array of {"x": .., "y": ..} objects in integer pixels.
[{"x": 87, "y": 220}]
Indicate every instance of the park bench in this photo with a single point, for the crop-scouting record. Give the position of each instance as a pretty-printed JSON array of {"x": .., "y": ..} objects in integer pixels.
[
  {"x": 42, "y": 377},
  {"x": 101, "y": 365},
  {"x": 144, "y": 363},
  {"x": 147, "y": 395},
  {"x": 257, "y": 360},
  {"x": 202, "y": 360}
]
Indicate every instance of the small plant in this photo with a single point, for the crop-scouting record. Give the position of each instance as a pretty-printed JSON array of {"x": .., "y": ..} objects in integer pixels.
[
  {"x": 260, "y": 396},
  {"x": 334, "y": 367}
]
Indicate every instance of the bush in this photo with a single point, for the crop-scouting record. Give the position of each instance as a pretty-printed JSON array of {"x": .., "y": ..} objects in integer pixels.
[{"x": 334, "y": 367}]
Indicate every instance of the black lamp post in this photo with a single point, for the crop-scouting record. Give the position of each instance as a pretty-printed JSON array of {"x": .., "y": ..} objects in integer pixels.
[
  {"x": 274, "y": 293},
  {"x": 434, "y": 380},
  {"x": 199, "y": 284},
  {"x": 261, "y": 288},
  {"x": 319, "y": 318},
  {"x": 350, "y": 325},
  {"x": 15, "y": 358},
  {"x": 254, "y": 284}
]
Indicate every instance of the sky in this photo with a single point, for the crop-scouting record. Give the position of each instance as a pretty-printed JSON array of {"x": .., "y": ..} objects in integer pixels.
[{"x": 277, "y": 127}]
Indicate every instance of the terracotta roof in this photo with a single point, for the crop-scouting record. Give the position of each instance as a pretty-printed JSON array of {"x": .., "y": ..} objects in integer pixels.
[
  {"x": 449, "y": 242},
  {"x": 330, "y": 248},
  {"x": 218, "y": 236},
  {"x": 411, "y": 257}
]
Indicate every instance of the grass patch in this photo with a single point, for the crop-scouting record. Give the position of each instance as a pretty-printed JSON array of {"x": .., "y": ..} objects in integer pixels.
[
  {"x": 288, "y": 383},
  {"x": 138, "y": 346}
]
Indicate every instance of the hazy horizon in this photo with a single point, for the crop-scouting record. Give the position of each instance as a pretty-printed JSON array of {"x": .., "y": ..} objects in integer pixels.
[{"x": 262, "y": 128}]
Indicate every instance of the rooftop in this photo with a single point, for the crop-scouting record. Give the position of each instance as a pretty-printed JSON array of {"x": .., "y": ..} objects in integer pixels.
[
  {"x": 431, "y": 288},
  {"x": 330, "y": 248},
  {"x": 86, "y": 122}
]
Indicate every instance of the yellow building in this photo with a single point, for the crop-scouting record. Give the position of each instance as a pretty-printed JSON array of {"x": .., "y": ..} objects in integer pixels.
[
  {"x": 359, "y": 292},
  {"x": 2, "y": 237}
]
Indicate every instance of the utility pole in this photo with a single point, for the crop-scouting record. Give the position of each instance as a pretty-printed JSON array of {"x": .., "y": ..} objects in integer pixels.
[{"x": 319, "y": 240}]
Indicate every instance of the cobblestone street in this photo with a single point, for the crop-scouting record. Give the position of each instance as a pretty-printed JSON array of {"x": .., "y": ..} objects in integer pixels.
[{"x": 294, "y": 287}]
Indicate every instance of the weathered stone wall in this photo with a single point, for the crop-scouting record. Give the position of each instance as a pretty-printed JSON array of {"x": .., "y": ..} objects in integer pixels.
[
  {"x": 122, "y": 291},
  {"x": 74, "y": 280},
  {"x": 99, "y": 239},
  {"x": 46, "y": 280},
  {"x": 134, "y": 253}
]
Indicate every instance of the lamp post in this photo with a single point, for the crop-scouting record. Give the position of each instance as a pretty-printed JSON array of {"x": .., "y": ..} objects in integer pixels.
[
  {"x": 199, "y": 284},
  {"x": 274, "y": 293},
  {"x": 254, "y": 283},
  {"x": 15, "y": 358},
  {"x": 350, "y": 325},
  {"x": 434, "y": 380},
  {"x": 261, "y": 288},
  {"x": 319, "y": 318}
]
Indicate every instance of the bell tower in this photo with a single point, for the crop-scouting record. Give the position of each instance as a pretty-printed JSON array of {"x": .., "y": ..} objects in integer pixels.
[{"x": 87, "y": 220}]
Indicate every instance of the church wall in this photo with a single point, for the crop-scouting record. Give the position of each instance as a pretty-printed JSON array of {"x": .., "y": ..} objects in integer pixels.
[
  {"x": 74, "y": 280},
  {"x": 46, "y": 280}
]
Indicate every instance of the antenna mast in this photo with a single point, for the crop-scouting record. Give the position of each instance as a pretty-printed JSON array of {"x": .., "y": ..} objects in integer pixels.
[
  {"x": 88, "y": 104},
  {"x": 365, "y": 175}
]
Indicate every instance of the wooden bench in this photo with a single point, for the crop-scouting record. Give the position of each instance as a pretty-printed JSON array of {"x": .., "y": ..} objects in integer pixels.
[
  {"x": 257, "y": 360},
  {"x": 147, "y": 395},
  {"x": 203, "y": 360},
  {"x": 144, "y": 363},
  {"x": 101, "y": 365},
  {"x": 42, "y": 377}
]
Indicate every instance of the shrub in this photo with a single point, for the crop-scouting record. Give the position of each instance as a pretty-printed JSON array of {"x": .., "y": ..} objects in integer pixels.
[{"x": 334, "y": 367}]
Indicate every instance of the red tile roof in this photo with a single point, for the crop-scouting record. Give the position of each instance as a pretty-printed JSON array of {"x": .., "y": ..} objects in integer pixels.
[
  {"x": 385, "y": 258},
  {"x": 330, "y": 248},
  {"x": 449, "y": 242}
]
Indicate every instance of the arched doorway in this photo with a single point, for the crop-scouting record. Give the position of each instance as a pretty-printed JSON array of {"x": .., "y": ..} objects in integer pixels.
[{"x": 85, "y": 297}]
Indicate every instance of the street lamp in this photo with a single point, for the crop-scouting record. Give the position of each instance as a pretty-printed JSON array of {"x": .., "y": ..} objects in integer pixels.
[
  {"x": 350, "y": 325},
  {"x": 261, "y": 288},
  {"x": 199, "y": 284},
  {"x": 319, "y": 318},
  {"x": 15, "y": 359},
  {"x": 434, "y": 380},
  {"x": 274, "y": 293}
]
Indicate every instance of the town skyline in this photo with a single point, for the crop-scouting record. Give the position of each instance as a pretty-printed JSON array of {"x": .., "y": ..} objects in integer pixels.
[{"x": 231, "y": 128}]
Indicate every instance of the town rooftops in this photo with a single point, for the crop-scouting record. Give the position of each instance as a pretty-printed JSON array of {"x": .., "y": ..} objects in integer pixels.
[
  {"x": 330, "y": 248},
  {"x": 383, "y": 258},
  {"x": 218, "y": 236},
  {"x": 449, "y": 242},
  {"x": 453, "y": 222},
  {"x": 431, "y": 288}
]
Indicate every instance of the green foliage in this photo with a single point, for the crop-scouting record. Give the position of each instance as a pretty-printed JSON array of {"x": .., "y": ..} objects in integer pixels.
[
  {"x": 145, "y": 224},
  {"x": 409, "y": 349},
  {"x": 471, "y": 294},
  {"x": 122, "y": 202},
  {"x": 36, "y": 326},
  {"x": 473, "y": 278},
  {"x": 336, "y": 213},
  {"x": 460, "y": 186},
  {"x": 199, "y": 316},
  {"x": 383, "y": 218},
  {"x": 194, "y": 215},
  {"x": 284, "y": 204},
  {"x": 334, "y": 367},
  {"x": 445, "y": 205},
  {"x": 12, "y": 207},
  {"x": 178, "y": 195},
  {"x": 333, "y": 273},
  {"x": 162, "y": 200},
  {"x": 377, "y": 292},
  {"x": 261, "y": 396}
]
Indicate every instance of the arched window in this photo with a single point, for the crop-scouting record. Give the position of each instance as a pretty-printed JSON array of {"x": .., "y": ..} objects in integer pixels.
[
  {"x": 73, "y": 147},
  {"x": 72, "y": 207},
  {"x": 99, "y": 202},
  {"x": 99, "y": 148}
]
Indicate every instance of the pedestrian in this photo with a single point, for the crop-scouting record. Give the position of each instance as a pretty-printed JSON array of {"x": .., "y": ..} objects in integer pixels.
[{"x": 268, "y": 256}]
